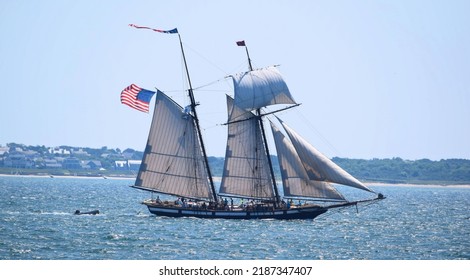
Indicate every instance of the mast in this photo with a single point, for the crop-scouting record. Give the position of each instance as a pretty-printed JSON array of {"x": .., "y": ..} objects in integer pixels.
[
  {"x": 263, "y": 133},
  {"x": 196, "y": 120},
  {"x": 271, "y": 170}
]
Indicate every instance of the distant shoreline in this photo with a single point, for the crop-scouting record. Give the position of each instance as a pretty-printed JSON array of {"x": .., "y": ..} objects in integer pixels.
[
  {"x": 218, "y": 179},
  {"x": 68, "y": 176},
  {"x": 427, "y": 185}
]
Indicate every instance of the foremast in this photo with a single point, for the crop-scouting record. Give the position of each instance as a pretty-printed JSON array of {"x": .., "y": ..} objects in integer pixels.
[{"x": 196, "y": 121}]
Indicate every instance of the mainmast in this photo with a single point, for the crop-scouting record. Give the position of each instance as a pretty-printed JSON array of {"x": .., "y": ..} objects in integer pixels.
[
  {"x": 263, "y": 134},
  {"x": 196, "y": 120}
]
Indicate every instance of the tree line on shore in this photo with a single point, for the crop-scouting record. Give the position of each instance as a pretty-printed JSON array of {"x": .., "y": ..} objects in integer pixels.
[
  {"x": 397, "y": 170},
  {"x": 394, "y": 170}
]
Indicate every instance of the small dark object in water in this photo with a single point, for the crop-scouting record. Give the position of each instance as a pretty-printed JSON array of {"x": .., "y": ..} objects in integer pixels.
[{"x": 94, "y": 212}]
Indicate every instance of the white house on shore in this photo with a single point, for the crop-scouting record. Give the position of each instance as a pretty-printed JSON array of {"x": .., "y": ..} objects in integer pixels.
[{"x": 127, "y": 164}]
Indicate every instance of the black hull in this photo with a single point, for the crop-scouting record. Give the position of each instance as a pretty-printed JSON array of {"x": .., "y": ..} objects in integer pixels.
[{"x": 281, "y": 214}]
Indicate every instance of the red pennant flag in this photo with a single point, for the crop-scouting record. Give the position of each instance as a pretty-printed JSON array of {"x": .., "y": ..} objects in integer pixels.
[
  {"x": 172, "y": 31},
  {"x": 241, "y": 43}
]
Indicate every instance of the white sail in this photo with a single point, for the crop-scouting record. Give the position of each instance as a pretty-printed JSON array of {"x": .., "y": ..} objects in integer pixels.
[
  {"x": 318, "y": 166},
  {"x": 173, "y": 161},
  {"x": 246, "y": 170},
  {"x": 295, "y": 180},
  {"x": 259, "y": 88}
]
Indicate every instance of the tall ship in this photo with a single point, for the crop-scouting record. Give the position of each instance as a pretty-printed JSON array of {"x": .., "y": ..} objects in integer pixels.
[{"x": 175, "y": 163}]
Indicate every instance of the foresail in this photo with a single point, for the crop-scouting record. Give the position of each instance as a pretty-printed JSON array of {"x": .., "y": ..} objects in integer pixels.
[
  {"x": 295, "y": 180},
  {"x": 259, "y": 88},
  {"x": 318, "y": 166},
  {"x": 173, "y": 161},
  {"x": 246, "y": 171}
]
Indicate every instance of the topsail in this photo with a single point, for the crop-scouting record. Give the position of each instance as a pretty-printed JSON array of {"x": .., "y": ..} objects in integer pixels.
[{"x": 259, "y": 88}]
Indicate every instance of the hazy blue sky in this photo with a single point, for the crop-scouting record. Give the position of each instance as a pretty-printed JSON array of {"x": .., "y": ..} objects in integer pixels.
[{"x": 376, "y": 79}]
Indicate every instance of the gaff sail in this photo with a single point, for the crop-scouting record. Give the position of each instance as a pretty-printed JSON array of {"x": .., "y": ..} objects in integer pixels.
[
  {"x": 173, "y": 164},
  {"x": 246, "y": 171}
]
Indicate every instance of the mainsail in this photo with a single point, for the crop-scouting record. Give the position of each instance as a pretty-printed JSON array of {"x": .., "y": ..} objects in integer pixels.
[
  {"x": 173, "y": 164},
  {"x": 246, "y": 171},
  {"x": 318, "y": 166},
  {"x": 295, "y": 180}
]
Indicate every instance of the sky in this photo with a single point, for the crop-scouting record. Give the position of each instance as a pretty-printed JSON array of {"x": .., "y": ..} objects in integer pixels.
[{"x": 376, "y": 79}]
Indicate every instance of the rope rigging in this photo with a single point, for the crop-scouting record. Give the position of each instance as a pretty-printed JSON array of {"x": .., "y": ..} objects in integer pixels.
[{"x": 366, "y": 206}]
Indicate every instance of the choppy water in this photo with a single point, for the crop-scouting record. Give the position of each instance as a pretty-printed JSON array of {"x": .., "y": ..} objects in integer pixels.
[{"x": 37, "y": 222}]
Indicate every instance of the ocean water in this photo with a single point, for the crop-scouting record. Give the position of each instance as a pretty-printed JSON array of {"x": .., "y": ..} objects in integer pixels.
[{"x": 37, "y": 222}]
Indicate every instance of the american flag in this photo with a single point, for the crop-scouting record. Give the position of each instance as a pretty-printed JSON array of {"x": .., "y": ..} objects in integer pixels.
[
  {"x": 172, "y": 31},
  {"x": 137, "y": 98}
]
